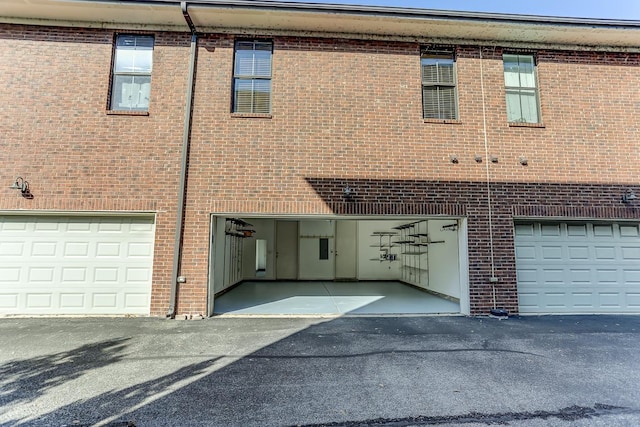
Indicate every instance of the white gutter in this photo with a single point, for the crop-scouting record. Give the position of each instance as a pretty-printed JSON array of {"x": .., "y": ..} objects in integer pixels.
[{"x": 328, "y": 20}]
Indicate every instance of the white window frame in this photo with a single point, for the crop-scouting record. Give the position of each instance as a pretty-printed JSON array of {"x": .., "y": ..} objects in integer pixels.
[
  {"x": 139, "y": 87},
  {"x": 255, "y": 78},
  {"x": 443, "y": 113},
  {"x": 522, "y": 89}
]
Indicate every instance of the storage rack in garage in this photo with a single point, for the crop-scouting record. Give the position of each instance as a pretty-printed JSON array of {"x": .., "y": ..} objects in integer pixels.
[
  {"x": 236, "y": 230},
  {"x": 414, "y": 241},
  {"x": 385, "y": 245}
]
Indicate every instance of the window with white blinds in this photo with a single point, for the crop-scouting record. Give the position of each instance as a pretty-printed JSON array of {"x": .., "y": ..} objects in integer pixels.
[
  {"x": 131, "y": 79},
  {"x": 439, "y": 94},
  {"x": 521, "y": 89},
  {"x": 252, "y": 77}
]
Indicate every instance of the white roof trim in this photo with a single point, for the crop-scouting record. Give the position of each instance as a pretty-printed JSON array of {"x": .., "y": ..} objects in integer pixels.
[{"x": 325, "y": 20}]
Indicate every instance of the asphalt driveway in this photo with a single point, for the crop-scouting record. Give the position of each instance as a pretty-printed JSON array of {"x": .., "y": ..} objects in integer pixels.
[{"x": 408, "y": 371}]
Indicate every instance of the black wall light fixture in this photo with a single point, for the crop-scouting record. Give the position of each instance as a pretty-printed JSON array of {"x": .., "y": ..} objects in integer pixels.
[
  {"x": 348, "y": 192},
  {"x": 23, "y": 186},
  {"x": 629, "y": 196}
]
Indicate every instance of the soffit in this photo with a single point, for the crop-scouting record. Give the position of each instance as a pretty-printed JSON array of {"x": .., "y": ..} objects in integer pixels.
[{"x": 325, "y": 20}]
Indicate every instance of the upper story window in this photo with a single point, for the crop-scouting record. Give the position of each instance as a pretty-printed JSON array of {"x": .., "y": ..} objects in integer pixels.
[
  {"x": 439, "y": 97},
  {"x": 521, "y": 89},
  {"x": 252, "y": 77},
  {"x": 131, "y": 81}
]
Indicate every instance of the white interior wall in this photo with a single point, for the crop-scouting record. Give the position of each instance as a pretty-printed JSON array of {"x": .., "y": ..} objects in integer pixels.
[
  {"x": 463, "y": 249},
  {"x": 311, "y": 267},
  {"x": 220, "y": 262},
  {"x": 444, "y": 259},
  {"x": 369, "y": 265},
  {"x": 265, "y": 229}
]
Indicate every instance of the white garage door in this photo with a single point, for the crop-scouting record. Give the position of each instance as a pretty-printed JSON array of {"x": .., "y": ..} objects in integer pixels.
[
  {"x": 578, "y": 268},
  {"x": 75, "y": 265}
]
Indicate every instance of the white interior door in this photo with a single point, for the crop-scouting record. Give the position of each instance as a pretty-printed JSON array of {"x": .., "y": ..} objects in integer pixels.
[
  {"x": 346, "y": 249},
  {"x": 317, "y": 250},
  {"x": 286, "y": 250}
]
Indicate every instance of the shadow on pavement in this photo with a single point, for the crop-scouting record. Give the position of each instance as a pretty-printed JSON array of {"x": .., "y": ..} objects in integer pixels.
[
  {"x": 26, "y": 380},
  {"x": 403, "y": 371}
]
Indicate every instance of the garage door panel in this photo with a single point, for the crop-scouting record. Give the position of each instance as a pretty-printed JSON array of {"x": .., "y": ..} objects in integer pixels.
[
  {"x": 552, "y": 252},
  {"x": 73, "y": 275},
  {"x": 552, "y": 277},
  {"x": 582, "y": 300},
  {"x": 606, "y": 277},
  {"x": 580, "y": 268},
  {"x": 76, "y": 249},
  {"x": 529, "y": 301},
  {"x": 136, "y": 300},
  {"x": 105, "y": 300},
  {"x": 76, "y": 265},
  {"x": 527, "y": 276},
  {"x": 8, "y": 301},
  {"x": 43, "y": 249},
  {"x": 633, "y": 300},
  {"x": 39, "y": 300},
  {"x": 577, "y": 230},
  {"x": 110, "y": 226},
  {"x": 630, "y": 253},
  {"x": 106, "y": 275},
  {"x": 610, "y": 299},
  {"x": 108, "y": 249},
  {"x": 631, "y": 278},
  {"x": 47, "y": 225},
  {"x": 580, "y": 277},
  {"x": 605, "y": 253},
  {"x": 40, "y": 274},
  {"x": 139, "y": 250},
  {"x": 10, "y": 275},
  {"x": 629, "y": 231},
  {"x": 137, "y": 274},
  {"x": 141, "y": 225},
  {"x": 78, "y": 226},
  {"x": 526, "y": 252},
  {"x": 73, "y": 301},
  {"x": 524, "y": 230},
  {"x": 603, "y": 230},
  {"x": 11, "y": 249},
  {"x": 550, "y": 230},
  {"x": 555, "y": 299},
  {"x": 12, "y": 225},
  {"x": 578, "y": 253}
]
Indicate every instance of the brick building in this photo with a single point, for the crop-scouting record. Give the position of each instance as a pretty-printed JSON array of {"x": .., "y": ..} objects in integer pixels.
[{"x": 489, "y": 160}]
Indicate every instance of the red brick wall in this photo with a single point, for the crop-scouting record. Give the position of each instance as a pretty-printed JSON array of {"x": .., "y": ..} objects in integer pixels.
[
  {"x": 56, "y": 133},
  {"x": 344, "y": 112},
  {"x": 349, "y": 113}
]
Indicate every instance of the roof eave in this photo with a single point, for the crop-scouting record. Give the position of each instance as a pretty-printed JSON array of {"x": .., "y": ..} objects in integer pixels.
[{"x": 326, "y": 20}]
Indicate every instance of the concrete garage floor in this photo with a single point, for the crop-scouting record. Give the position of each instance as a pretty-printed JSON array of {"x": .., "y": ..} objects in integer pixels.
[{"x": 330, "y": 298}]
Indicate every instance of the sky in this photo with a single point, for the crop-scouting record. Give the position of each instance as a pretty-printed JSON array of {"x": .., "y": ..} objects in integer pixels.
[{"x": 603, "y": 9}]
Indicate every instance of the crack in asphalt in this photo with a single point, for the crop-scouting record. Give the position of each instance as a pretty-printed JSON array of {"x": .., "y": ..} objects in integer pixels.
[
  {"x": 571, "y": 413},
  {"x": 264, "y": 355}
]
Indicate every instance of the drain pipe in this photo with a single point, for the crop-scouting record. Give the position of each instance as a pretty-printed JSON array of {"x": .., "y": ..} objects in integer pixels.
[
  {"x": 495, "y": 311},
  {"x": 186, "y": 134}
]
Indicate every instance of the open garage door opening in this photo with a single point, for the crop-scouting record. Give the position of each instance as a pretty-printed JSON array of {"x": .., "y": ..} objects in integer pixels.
[{"x": 335, "y": 266}]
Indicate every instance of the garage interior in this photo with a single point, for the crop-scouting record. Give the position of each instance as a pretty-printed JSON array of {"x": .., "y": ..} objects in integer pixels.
[{"x": 302, "y": 266}]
